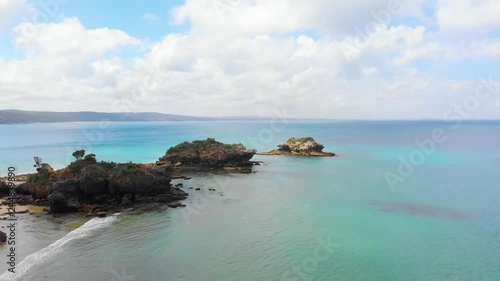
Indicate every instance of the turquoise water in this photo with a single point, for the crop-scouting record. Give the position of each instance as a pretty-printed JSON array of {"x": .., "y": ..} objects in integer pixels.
[{"x": 441, "y": 223}]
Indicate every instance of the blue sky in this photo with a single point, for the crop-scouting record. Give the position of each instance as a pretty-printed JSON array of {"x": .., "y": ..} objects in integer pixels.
[
  {"x": 237, "y": 57},
  {"x": 127, "y": 15}
]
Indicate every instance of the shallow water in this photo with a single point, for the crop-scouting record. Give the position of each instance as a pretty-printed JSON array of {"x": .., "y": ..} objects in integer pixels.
[{"x": 442, "y": 223}]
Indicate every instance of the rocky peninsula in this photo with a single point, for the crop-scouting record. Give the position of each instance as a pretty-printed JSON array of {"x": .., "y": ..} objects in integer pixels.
[
  {"x": 94, "y": 188},
  {"x": 300, "y": 146}
]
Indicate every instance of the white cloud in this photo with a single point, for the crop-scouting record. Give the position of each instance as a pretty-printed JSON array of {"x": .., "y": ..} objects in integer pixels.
[
  {"x": 64, "y": 65},
  {"x": 9, "y": 9},
  {"x": 150, "y": 17},
  {"x": 450, "y": 51},
  {"x": 331, "y": 17},
  {"x": 68, "y": 39},
  {"x": 468, "y": 15},
  {"x": 258, "y": 57}
]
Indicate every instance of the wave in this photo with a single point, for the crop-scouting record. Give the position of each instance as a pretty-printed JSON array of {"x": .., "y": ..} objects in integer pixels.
[{"x": 41, "y": 256}]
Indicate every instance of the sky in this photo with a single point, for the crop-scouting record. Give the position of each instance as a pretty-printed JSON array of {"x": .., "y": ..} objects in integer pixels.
[{"x": 364, "y": 59}]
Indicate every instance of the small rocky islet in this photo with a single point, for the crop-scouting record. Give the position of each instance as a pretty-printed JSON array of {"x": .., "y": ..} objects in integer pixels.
[{"x": 306, "y": 146}]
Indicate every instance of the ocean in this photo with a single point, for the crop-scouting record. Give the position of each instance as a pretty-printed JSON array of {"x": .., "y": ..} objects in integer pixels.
[{"x": 398, "y": 203}]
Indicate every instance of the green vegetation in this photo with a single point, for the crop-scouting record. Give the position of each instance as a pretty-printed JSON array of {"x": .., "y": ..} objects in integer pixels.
[
  {"x": 33, "y": 178},
  {"x": 107, "y": 165},
  {"x": 78, "y": 165},
  {"x": 295, "y": 140},
  {"x": 131, "y": 168},
  {"x": 132, "y": 165},
  {"x": 201, "y": 145},
  {"x": 231, "y": 146},
  {"x": 90, "y": 157},
  {"x": 42, "y": 179}
]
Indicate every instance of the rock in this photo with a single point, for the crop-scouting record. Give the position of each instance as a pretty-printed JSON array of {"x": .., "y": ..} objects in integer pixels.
[
  {"x": 209, "y": 153},
  {"x": 300, "y": 146},
  {"x": 62, "y": 204},
  {"x": 198, "y": 189},
  {"x": 175, "y": 205},
  {"x": 45, "y": 169},
  {"x": 65, "y": 196},
  {"x": 86, "y": 182},
  {"x": 4, "y": 189},
  {"x": 145, "y": 200},
  {"x": 25, "y": 200},
  {"x": 94, "y": 182},
  {"x": 126, "y": 202},
  {"x": 68, "y": 186},
  {"x": 178, "y": 194},
  {"x": 137, "y": 180},
  {"x": 177, "y": 176},
  {"x": 164, "y": 198},
  {"x": 3, "y": 237},
  {"x": 101, "y": 214},
  {"x": 178, "y": 164}
]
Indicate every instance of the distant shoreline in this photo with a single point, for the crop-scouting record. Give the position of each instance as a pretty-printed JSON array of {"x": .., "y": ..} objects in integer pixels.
[{"x": 20, "y": 117}]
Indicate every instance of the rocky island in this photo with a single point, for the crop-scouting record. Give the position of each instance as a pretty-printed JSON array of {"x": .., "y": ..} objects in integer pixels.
[
  {"x": 95, "y": 188},
  {"x": 208, "y": 155},
  {"x": 300, "y": 146}
]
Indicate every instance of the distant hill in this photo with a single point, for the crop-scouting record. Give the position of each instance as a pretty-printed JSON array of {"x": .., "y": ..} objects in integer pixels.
[{"x": 22, "y": 117}]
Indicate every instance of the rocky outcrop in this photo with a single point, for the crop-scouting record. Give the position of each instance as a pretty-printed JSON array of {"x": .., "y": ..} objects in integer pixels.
[
  {"x": 3, "y": 237},
  {"x": 37, "y": 184},
  {"x": 137, "y": 180},
  {"x": 207, "y": 155},
  {"x": 94, "y": 183},
  {"x": 300, "y": 146},
  {"x": 85, "y": 183},
  {"x": 4, "y": 189}
]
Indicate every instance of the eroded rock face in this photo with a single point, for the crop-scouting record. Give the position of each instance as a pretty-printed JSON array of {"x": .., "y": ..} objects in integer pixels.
[
  {"x": 37, "y": 184},
  {"x": 4, "y": 189},
  {"x": 119, "y": 185},
  {"x": 64, "y": 196},
  {"x": 208, "y": 153},
  {"x": 3, "y": 237},
  {"x": 300, "y": 146},
  {"x": 60, "y": 203},
  {"x": 137, "y": 181},
  {"x": 94, "y": 181}
]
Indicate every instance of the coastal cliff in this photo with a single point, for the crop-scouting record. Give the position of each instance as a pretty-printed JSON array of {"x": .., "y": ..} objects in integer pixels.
[{"x": 300, "y": 146}]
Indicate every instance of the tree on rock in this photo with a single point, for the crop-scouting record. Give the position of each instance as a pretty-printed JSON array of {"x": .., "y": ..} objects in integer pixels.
[
  {"x": 90, "y": 158},
  {"x": 79, "y": 154},
  {"x": 38, "y": 162}
]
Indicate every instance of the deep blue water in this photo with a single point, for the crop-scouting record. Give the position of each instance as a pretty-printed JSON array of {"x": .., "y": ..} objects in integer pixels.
[{"x": 442, "y": 222}]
